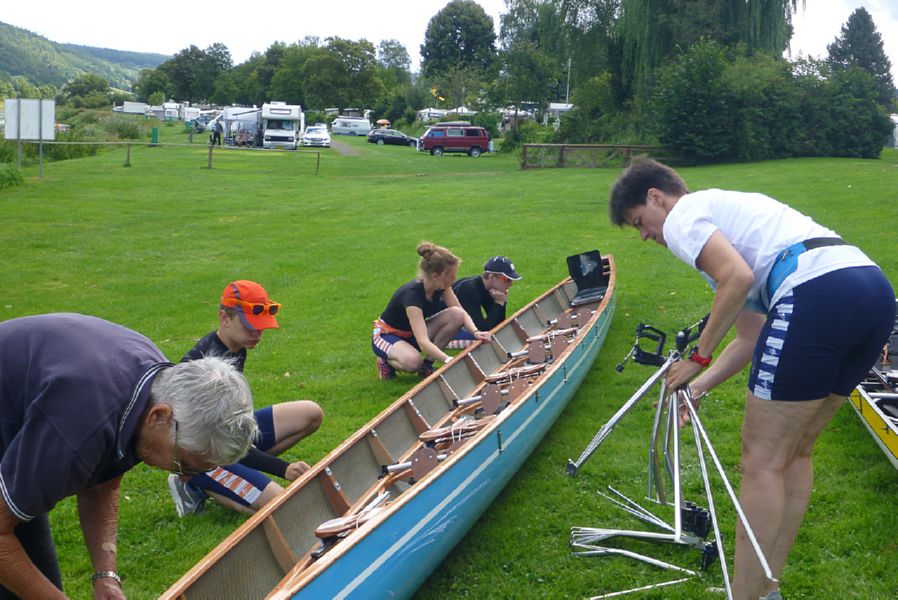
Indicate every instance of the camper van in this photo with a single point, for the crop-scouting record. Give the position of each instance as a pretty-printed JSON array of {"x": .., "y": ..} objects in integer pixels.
[
  {"x": 350, "y": 126},
  {"x": 282, "y": 125}
]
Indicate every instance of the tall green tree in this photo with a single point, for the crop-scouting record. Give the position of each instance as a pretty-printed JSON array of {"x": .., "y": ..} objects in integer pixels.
[
  {"x": 150, "y": 81},
  {"x": 192, "y": 72},
  {"x": 651, "y": 30},
  {"x": 88, "y": 91},
  {"x": 860, "y": 45},
  {"x": 394, "y": 59},
  {"x": 343, "y": 74},
  {"x": 286, "y": 84},
  {"x": 459, "y": 36},
  {"x": 529, "y": 74}
]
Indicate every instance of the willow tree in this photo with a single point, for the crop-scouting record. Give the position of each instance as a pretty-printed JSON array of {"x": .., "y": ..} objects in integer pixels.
[{"x": 651, "y": 30}]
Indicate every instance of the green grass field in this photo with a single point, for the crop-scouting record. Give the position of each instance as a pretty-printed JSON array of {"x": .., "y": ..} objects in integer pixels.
[{"x": 151, "y": 246}]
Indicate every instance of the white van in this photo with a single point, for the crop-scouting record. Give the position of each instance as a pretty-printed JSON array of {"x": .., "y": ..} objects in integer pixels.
[
  {"x": 350, "y": 126},
  {"x": 282, "y": 125}
]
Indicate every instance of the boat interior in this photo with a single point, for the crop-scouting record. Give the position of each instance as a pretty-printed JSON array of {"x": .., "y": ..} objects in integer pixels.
[{"x": 369, "y": 471}]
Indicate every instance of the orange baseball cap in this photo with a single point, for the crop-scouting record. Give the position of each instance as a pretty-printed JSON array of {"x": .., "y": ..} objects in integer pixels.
[{"x": 251, "y": 302}]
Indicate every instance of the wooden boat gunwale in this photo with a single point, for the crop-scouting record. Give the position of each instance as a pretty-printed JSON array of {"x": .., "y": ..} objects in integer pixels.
[{"x": 302, "y": 572}]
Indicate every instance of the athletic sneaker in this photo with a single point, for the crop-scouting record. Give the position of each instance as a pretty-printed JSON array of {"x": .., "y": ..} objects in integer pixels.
[
  {"x": 188, "y": 499},
  {"x": 384, "y": 369}
]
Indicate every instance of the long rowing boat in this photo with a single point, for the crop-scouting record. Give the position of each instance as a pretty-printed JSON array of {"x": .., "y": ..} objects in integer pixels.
[
  {"x": 379, "y": 513},
  {"x": 876, "y": 400}
]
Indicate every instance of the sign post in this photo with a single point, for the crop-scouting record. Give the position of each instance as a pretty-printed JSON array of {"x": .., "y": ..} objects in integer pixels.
[{"x": 30, "y": 119}]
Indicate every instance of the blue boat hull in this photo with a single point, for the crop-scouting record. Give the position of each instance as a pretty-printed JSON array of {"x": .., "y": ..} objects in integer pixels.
[{"x": 396, "y": 557}]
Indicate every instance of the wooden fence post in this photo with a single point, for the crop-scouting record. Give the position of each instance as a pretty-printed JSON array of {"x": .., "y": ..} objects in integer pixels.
[{"x": 128, "y": 156}]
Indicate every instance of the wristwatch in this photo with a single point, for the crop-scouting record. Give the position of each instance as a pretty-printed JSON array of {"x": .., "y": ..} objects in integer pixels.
[
  {"x": 105, "y": 574},
  {"x": 695, "y": 357}
]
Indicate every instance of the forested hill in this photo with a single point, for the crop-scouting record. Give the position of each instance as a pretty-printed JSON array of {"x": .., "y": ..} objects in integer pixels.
[{"x": 44, "y": 62}]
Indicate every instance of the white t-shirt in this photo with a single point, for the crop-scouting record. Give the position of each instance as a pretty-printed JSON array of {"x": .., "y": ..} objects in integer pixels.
[{"x": 759, "y": 227}]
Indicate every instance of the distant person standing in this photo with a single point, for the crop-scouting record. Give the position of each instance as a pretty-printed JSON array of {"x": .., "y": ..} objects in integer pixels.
[
  {"x": 217, "y": 130},
  {"x": 484, "y": 297}
]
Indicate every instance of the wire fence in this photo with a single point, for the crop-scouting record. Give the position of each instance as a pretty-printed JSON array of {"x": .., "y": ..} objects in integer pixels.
[
  {"x": 212, "y": 149},
  {"x": 541, "y": 156}
]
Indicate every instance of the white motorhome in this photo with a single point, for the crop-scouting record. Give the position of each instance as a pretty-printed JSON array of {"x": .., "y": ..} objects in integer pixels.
[
  {"x": 350, "y": 126},
  {"x": 282, "y": 125},
  {"x": 172, "y": 111},
  {"x": 135, "y": 108}
]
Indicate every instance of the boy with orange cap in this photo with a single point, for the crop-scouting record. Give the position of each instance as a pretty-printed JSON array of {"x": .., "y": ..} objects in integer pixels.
[{"x": 243, "y": 316}]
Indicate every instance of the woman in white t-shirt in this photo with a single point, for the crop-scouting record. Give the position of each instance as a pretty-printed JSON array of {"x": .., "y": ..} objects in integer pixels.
[{"x": 811, "y": 313}]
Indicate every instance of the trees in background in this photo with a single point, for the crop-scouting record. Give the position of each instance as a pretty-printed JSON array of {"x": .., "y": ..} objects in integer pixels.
[
  {"x": 703, "y": 76},
  {"x": 192, "y": 72},
  {"x": 458, "y": 55},
  {"x": 860, "y": 45},
  {"x": 712, "y": 105}
]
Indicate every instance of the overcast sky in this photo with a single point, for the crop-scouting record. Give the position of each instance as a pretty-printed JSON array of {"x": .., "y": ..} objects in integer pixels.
[{"x": 244, "y": 27}]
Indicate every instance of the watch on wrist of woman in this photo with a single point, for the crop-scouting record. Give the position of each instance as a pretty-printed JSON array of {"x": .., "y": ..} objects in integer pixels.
[{"x": 695, "y": 357}]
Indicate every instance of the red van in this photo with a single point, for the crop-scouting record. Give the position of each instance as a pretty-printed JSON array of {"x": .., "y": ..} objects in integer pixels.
[{"x": 441, "y": 138}]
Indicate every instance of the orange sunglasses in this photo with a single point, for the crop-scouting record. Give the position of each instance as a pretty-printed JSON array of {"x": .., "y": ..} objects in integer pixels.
[{"x": 256, "y": 308}]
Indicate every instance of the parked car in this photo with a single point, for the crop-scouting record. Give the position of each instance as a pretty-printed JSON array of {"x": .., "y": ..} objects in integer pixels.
[
  {"x": 201, "y": 121},
  {"x": 316, "y": 135},
  {"x": 391, "y": 136},
  {"x": 455, "y": 138}
]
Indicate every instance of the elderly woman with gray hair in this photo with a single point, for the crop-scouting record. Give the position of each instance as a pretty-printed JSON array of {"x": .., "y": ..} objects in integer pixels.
[{"x": 83, "y": 401}]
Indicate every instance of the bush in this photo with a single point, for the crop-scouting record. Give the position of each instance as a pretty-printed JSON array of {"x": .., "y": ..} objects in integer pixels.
[
  {"x": 692, "y": 105},
  {"x": 10, "y": 176},
  {"x": 125, "y": 127},
  {"x": 527, "y": 132}
]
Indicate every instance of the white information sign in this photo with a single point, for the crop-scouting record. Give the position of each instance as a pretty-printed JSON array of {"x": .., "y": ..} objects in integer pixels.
[{"x": 30, "y": 119}]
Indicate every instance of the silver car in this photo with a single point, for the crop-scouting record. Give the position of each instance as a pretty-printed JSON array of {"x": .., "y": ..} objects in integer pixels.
[{"x": 316, "y": 135}]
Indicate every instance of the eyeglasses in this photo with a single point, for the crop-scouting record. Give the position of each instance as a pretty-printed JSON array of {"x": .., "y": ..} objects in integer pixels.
[
  {"x": 176, "y": 466},
  {"x": 256, "y": 308}
]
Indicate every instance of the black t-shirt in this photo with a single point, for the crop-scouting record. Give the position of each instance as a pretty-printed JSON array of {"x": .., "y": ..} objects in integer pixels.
[
  {"x": 211, "y": 345},
  {"x": 411, "y": 294},
  {"x": 473, "y": 296}
]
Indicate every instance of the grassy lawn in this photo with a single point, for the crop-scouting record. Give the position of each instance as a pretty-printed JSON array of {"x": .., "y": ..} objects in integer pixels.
[{"x": 152, "y": 245}]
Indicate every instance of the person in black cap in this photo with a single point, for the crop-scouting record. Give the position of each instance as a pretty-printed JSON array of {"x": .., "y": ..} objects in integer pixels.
[{"x": 484, "y": 297}]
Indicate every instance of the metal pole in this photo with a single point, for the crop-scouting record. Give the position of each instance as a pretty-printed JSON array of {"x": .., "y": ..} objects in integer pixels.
[
  {"x": 18, "y": 133},
  {"x": 726, "y": 482},
  {"x": 720, "y": 553},
  {"x": 40, "y": 137},
  {"x": 567, "y": 91}
]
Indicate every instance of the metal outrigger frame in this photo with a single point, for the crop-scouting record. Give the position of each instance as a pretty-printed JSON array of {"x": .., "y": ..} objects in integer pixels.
[{"x": 691, "y": 524}]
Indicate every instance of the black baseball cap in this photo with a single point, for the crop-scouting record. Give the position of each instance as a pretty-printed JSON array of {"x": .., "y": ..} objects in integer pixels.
[{"x": 501, "y": 265}]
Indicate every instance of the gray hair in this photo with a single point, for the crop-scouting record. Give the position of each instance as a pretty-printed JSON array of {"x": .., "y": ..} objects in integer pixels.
[{"x": 213, "y": 406}]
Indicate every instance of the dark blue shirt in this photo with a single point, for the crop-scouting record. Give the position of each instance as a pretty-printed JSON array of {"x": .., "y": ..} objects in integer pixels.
[{"x": 73, "y": 389}]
